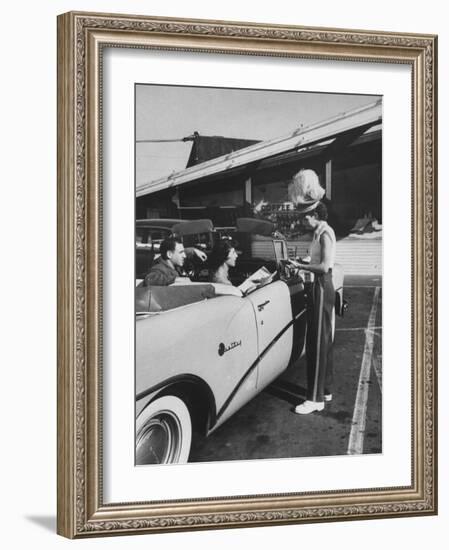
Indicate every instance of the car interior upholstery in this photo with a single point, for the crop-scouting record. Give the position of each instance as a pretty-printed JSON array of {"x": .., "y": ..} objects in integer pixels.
[{"x": 162, "y": 298}]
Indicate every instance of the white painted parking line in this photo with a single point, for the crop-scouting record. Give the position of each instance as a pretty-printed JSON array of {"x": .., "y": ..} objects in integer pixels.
[
  {"x": 377, "y": 366},
  {"x": 357, "y": 434}
]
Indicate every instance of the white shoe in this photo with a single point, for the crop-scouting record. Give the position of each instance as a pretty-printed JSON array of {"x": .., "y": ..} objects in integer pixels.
[
  {"x": 309, "y": 407},
  {"x": 327, "y": 397}
]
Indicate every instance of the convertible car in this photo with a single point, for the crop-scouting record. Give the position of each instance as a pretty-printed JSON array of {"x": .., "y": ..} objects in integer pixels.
[{"x": 204, "y": 350}]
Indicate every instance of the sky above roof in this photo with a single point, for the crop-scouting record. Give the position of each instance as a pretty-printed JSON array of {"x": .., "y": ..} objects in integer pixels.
[{"x": 175, "y": 112}]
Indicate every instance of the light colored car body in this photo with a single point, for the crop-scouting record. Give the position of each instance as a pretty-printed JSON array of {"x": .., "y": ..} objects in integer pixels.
[
  {"x": 198, "y": 361},
  {"x": 235, "y": 345}
]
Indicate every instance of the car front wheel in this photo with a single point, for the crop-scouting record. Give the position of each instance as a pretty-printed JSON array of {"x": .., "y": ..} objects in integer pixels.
[{"x": 164, "y": 432}]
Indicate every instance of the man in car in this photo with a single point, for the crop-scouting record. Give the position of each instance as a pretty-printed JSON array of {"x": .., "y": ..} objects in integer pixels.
[{"x": 164, "y": 272}]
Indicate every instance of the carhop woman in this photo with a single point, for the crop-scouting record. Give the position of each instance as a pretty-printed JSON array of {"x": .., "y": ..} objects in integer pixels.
[{"x": 304, "y": 192}]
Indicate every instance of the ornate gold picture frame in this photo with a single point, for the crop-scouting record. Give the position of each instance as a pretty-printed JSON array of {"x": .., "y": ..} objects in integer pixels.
[{"x": 82, "y": 40}]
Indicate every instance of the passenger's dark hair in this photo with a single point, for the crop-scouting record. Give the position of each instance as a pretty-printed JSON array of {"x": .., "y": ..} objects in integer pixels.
[
  {"x": 168, "y": 245},
  {"x": 219, "y": 254},
  {"x": 320, "y": 211}
]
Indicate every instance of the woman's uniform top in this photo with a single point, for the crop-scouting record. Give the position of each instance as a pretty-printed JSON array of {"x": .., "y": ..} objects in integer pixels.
[{"x": 315, "y": 245}]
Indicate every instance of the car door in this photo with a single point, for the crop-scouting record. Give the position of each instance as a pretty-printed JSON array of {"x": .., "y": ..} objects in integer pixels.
[
  {"x": 273, "y": 314},
  {"x": 214, "y": 341}
]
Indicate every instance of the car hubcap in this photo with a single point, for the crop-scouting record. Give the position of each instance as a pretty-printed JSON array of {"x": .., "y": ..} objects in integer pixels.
[{"x": 159, "y": 441}]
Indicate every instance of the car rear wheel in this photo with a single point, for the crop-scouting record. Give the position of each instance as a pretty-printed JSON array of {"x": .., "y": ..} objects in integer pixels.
[{"x": 164, "y": 432}]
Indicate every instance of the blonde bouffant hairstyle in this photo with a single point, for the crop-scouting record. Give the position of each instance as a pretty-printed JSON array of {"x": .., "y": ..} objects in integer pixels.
[{"x": 305, "y": 188}]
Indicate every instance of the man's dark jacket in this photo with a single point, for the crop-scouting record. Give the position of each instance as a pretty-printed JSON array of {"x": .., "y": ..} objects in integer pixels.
[{"x": 161, "y": 274}]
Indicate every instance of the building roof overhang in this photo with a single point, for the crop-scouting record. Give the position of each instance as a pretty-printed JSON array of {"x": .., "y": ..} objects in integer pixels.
[{"x": 355, "y": 122}]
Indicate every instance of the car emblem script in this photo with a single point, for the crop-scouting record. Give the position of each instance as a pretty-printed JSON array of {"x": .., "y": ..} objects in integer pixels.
[{"x": 222, "y": 349}]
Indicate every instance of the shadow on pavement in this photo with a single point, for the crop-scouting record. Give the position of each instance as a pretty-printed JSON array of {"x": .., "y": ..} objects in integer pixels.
[{"x": 287, "y": 391}]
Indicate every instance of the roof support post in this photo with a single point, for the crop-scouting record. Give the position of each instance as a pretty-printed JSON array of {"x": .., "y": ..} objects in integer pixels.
[
  {"x": 248, "y": 190},
  {"x": 328, "y": 179}
]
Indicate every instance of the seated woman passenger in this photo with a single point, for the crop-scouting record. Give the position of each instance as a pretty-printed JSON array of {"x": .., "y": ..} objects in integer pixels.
[{"x": 222, "y": 257}]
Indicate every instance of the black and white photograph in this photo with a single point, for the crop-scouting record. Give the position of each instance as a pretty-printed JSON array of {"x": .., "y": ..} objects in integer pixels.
[
  {"x": 226, "y": 332},
  {"x": 258, "y": 266}
]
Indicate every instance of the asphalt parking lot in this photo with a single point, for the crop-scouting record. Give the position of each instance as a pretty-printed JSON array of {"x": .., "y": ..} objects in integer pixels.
[{"x": 350, "y": 424}]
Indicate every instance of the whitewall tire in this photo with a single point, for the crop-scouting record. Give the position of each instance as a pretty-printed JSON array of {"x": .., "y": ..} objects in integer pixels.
[{"x": 163, "y": 432}]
